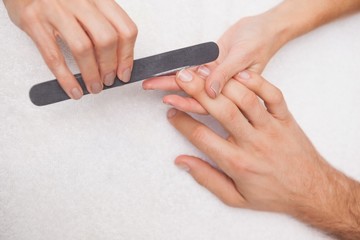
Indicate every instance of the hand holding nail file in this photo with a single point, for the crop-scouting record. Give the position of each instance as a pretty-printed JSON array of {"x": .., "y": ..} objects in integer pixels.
[{"x": 50, "y": 92}]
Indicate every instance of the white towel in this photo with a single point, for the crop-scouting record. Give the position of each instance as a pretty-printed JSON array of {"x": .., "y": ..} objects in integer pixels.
[{"x": 102, "y": 168}]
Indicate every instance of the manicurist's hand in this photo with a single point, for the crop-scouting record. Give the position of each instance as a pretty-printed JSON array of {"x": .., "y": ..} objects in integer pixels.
[
  {"x": 251, "y": 42},
  {"x": 99, "y": 33},
  {"x": 248, "y": 44},
  {"x": 266, "y": 162}
]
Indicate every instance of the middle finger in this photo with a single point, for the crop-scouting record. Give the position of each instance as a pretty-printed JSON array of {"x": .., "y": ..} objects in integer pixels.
[{"x": 221, "y": 108}]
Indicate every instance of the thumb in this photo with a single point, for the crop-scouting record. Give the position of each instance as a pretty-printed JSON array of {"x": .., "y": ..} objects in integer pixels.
[{"x": 220, "y": 75}]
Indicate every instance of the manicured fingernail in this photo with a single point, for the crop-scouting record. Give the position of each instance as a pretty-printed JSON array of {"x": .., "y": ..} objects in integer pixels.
[
  {"x": 185, "y": 76},
  {"x": 183, "y": 167},
  {"x": 244, "y": 75},
  {"x": 215, "y": 87},
  {"x": 109, "y": 79},
  {"x": 76, "y": 94},
  {"x": 204, "y": 71},
  {"x": 126, "y": 75},
  {"x": 96, "y": 88},
  {"x": 171, "y": 113}
]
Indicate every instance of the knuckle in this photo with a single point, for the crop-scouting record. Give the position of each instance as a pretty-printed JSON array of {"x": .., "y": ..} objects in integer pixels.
[
  {"x": 199, "y": 134},
  {"x": 82, "y": 48},
  {"x": 129, "y": 33},
  {"x": 277, "y": 96},
  {"x": 53, "y": 59},
  {"x": 28, "y": 16},
  {"x": 107, "y": 40},
  {"x": 248, "y": 99},
  {"x": 126, "y": 58},
  {"x": 230, "y": 114},
  {"x": 237, "y": 163}
]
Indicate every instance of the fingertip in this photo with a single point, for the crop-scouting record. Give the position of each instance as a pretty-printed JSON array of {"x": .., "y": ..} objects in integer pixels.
[
  {"x": 215, "y": 89},
  {"x": 243, "y": 76},
  {"x": 146, "y": 85},
  {"x": 76, "y": 94},
  {"x": 172, "y": 113},
  {"x": 185, "y": 75},
  {"x": 167, "y": 100},
  {"x": 182, "y": 164},
  {"x": 203, "y": 71},
  {"x": 124, "y": 74},
  {"x": 109, "y": 79},
  {"x": 96, "y": 88},
  {"x": 213, "y": 85},
  {"x": 209, "y": 90}
]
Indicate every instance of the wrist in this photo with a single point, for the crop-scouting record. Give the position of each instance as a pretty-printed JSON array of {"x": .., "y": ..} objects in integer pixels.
[
  {"x": 282, "y": 23},
  {"x": 332, "y": 205}
]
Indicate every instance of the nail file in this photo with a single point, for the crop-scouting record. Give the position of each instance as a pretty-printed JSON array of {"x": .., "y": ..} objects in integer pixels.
[{"x": 51, "y": 92}]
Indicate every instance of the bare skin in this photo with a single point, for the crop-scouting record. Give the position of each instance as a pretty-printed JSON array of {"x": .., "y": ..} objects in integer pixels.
[
  {"x": 267, "y": 163},
  {"x": 99, "y": 33},
  {"x": 251, "y": 42}
]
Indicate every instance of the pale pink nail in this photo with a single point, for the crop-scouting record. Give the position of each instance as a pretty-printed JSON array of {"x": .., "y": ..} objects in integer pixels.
[
  {"x": 244, "y": 75},
  {"x": 126, "y": 76},
  {"x": 109, "y": 79},
  {"x": 185, "y": 76},
  {"x": 76, "y": 94},
  {"x": 215, "y": 87},
  {"x": 183, "y": 167},
  {"x": 171, "y": 113},
  {"x": 204, "y": 71},
  {"x": 96, "y": 88}
]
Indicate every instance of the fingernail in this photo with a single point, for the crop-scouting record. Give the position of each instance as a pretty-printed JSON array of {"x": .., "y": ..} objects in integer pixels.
[
  {"x": 147, "y": 86},
  {"x": 109, "y": 79},
  {"x": 126, "y": 75},
  {"x": 183, "y": 167},
  {"x": 96, "y": 88},
  {"x": 76, "y": 94},
  {"x": 167, "y": 103},
  {"x": 244, "y": 75},
  {"x": 215, "y": 87},
  {"x": 204, "y": 71},
  {"x": 171, "y": 113},
  {"x": 185, "y": 76}
]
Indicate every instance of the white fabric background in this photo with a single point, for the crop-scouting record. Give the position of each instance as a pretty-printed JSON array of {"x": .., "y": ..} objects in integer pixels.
[{"x": 102, "y": 168}]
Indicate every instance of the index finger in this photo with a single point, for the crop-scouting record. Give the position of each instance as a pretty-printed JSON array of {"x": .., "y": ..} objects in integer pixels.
[
  {"x": 54, "y": 59},
  {"x": 218, "y": 149},
  {"x": 127, "y": 32}
]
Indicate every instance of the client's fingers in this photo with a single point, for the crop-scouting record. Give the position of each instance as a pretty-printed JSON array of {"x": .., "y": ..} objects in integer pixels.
[
  {"x": 165, "y": 83},
  {"x": 217, "y": 148},
  {"x": 221, "y": 108},
  {"x": 215, "y": 181},
  {"x": 248, "y": 102},
  {"x": 184, "y": 104},
  {"x": 272, "y": 96}
]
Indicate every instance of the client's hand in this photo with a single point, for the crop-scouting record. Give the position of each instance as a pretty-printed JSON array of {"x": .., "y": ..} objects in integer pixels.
[{"x": 267, "y": 162}]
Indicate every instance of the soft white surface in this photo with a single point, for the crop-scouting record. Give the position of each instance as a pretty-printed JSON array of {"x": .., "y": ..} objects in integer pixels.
[{"x": 102, "y": 168}]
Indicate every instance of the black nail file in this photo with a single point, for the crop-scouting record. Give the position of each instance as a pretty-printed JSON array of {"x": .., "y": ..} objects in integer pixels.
[{"x": 50, "y": 92}]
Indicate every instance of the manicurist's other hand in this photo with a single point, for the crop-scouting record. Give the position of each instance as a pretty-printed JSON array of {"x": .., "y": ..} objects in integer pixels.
[{"x": 100, "y": 35}]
